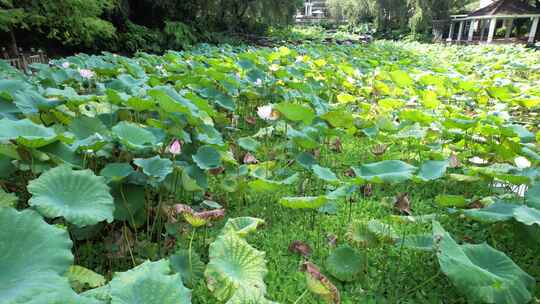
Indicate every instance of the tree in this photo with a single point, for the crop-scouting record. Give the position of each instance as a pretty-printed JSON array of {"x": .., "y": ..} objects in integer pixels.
[{"x": 72, "y": 22}]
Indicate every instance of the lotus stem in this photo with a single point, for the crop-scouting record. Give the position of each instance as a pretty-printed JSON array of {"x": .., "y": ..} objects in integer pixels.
[
  {"x": 128, "y": 245},
  {"x": 189, "y": 254}
]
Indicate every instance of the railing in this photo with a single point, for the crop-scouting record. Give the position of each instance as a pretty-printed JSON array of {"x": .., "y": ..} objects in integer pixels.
[{"x": 25, "y": 59}]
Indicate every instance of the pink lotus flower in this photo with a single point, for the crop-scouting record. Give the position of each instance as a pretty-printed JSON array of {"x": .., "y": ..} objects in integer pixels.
[
  {"x": 250, "y": 159},
  {"x": 86, "y": 73},
  {"x": 176, "y": 147},
  {"x": 267, "y": 113}
]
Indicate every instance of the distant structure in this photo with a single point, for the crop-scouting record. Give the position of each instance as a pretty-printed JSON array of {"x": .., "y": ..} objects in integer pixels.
[
  {"x": 314, "y": 11},
  {"x": 481, "y": 26}
]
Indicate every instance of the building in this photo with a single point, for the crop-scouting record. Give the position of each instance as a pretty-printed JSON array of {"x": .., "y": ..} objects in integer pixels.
[
  {"x": 314, "y": 11},
  {"x": 480, "y": 26}
]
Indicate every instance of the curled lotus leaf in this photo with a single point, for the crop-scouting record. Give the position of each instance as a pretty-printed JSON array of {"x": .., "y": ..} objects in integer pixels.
[
  {"x": 81, "y": 197},
  {"x": 242, "y": 226},
  {"x": 370, "y": 233},
  {"x": 482, "y": 273},
  {"x": 319, "y": 284},
  {"x": 26, "y": 133},
  {"x": 388, "y": 171},
  {"x": 198, "y": 219},
  {"x": 234, "y": 267},
  {"x": 134, "y": 136}
]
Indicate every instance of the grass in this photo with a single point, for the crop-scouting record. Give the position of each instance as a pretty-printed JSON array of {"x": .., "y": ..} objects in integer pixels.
[{"x": 395, "y": 274}]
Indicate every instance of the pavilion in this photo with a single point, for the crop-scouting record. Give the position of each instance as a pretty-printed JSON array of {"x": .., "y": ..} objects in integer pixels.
[{"x": 488, "y": 17}]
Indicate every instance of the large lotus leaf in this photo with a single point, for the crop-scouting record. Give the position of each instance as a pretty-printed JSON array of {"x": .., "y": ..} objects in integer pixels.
[
  {"x": 115, "y": 172},
  {"x": 31, "y": 102},
  {"x": 134, "y": 136},
  {"x": 149, "y": 282},
  {"x": 207, "y": 158},
  {"x": 26, "y": 133},
  {"x": 526, "y": 215},
  {"x": 303, "y": 202},
  {"x": 33, "y": 255},
  {"x": 306, "y": 160},
  {"x": 401, "y": 78},
  {"x": 81, "y": 197},
  {"x": 129, "y": 201},
  {"x": 339, "y": 119},
  {"x": 188, "y": 265},
  {"x": 433, "y": 169},
  {"x": 532, "y": 196},
  {"x": 156, "y": 167},
  {"x": 246, "y": 296},
  {"x": 249, "y": 144},
  {"x": 234, "y": 265},
  {"x": 390, "y": 171},
  {"x": 81, "y": 276},
  {"x": 194, "y": 179},
  {"x": 296, "y": 112},
  {"x": 324, "y": 173},
  {"x": 496, "y": 212},
  {"x": 265, "y": 185},
  {"x": 423, "y": 242},
  {"x": 345, "y": 263},
  {"x": 84, "y": 127},
  {"x": 242, "y": 226},
  {"x": 482, "y": 273},
  {"x": 302, "y": 139}
]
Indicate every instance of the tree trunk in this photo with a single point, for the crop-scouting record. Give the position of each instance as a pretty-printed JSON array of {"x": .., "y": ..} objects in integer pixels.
[{"x": 13, "y": 45}]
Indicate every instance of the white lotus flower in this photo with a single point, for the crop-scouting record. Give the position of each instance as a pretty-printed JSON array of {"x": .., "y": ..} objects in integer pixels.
[
  {"x": 258, "y": 82},
  {"x": 267, "y": 113},
  {"x": 65, "y": 65},
  {"x": 522, "y": 162},
  {"x": 86, "y": 73}
]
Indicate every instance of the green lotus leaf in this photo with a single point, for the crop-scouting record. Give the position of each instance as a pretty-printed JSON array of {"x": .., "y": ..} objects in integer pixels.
[
  {"x": 26, "y": 133},
  {"x": 190, "y": 268},
  {"x": 526, "y": 215},
  {"x": 433, "y": 169},
  {"x": 156, "y": 167},
  {"x": 496, "y": 212},
  {"x": 81, "y": 276},
  {"x": 302, "y": 139},
  {"x": 345, "y": 263},
  {"x": 207, "y": 158},
  {"x": 129, "y": 202},
  {"x": 244, "y": 296},
  {"x": 401, "y": 78},
  {"x": 31, "y": 102},
  {"x": 303, "y": 202},
  {"x": 423, "y": 242},
  {"x": 7, "y": 199},
  {"x": 33, "y": 256},
  {"x": 296, "y": 112},
  {"x": 84, "y": 127},
  {"x": 482, "y": 273},
  {"x": 390, "y": 171},
  {"x": 306, "y": 160},
  {"x": 532, "y": 196},
  {"x": 149, "y": 282},
  {"x": 194, "y": 179},
  {"x": 242, "y": 226},
  {"x": 371, "y": 233},
  {"x": 324, "y": 173},
  {"x": 134, "y": 136},
  {"x": 81, "y": 197},
  {"x": 446, "y": 200},
  {"x": 115, "y": 172},
  {"x": 249, "y": 144},
  {"x": 234, "y": 265},
  {"x": 339, "y": 119}
]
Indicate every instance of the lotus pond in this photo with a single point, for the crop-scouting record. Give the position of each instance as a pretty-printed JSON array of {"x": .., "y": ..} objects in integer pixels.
[{"x": 381, "y": 173}]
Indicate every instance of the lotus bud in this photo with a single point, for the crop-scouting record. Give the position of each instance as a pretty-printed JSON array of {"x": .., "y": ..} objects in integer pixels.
[{"x": 176, "y": 147}]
